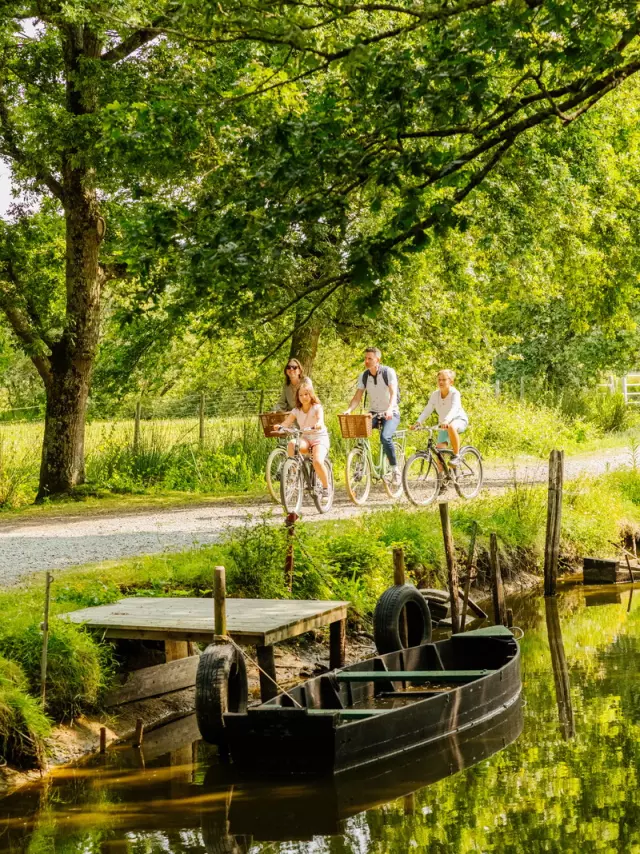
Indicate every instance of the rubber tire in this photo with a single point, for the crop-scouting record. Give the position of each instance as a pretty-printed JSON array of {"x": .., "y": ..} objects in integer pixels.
[
  {"x": 472, "y": 452},
  {"x": 274, "y": 486},
  {"x": 397, "y": 492},
  {"x": 386, "y": 618},
  {"x": 409, "y": 492},
  {"x": 221, "y": 686},
  {"x": 354, "y": 454},
  {"x": 317, "y": 500},
  {"x": 292, "y": 504}
]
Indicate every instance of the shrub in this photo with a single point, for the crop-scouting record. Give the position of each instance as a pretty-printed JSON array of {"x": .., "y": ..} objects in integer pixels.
[
  {"x": 255, "y": 565},
  {"x": 23, "y": 723},
  {"x": 78, "y": 668}
]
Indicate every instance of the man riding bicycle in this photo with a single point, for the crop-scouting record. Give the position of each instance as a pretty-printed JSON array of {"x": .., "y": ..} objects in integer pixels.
[{"x": 381, "y": 385}]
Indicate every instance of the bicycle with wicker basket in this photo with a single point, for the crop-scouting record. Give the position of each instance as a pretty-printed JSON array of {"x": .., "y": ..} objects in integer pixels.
[
  {"x": 429, "y": 472},
  {"x": 361, "y": 468},
  {"x": 298, "y": 476},
  {"x": 277, "y": 457}
]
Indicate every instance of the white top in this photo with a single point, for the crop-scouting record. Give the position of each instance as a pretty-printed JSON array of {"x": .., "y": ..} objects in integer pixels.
[
  {"x": 309, "y": 420},
  {"x": 378, "y": 390},
  {"x": 448, "y": 407}
]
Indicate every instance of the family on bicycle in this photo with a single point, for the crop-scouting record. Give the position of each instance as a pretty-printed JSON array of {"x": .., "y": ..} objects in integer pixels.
[{"x": 424, "y": 476}]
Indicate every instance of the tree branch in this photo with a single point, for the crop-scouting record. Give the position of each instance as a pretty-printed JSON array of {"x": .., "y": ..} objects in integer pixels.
[
  {"x": 133, "y": 42},
  {"x": 31, "y": 340}
]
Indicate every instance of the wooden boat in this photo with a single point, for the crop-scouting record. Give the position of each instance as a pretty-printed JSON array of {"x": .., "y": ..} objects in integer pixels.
[{"x": 379, "y": 707}]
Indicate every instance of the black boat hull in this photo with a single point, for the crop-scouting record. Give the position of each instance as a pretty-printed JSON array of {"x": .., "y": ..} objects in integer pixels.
[{"x": 279, "y": 737}]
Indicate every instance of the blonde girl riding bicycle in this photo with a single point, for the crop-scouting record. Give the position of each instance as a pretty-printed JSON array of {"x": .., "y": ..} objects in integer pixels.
[
  {"x": 310, "y": 417},
  {"x": 452, "y": 419}
]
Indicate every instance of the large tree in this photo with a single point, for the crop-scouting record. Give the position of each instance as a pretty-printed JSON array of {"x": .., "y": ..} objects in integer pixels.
[{"x": 135, "y": 119}]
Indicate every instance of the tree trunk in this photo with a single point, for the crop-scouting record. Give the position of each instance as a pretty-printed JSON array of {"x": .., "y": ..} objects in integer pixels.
[
  {"x": 304, "y": 343},
  {"x": 73, "y": 356}
]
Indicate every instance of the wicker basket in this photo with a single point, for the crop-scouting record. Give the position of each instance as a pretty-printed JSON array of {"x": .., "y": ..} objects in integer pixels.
[
  {"x": 355, "y": 426},
  {"x": 270, "y": 421}
]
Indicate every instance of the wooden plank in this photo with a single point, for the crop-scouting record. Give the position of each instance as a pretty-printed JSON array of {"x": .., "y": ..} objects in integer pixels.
[
  {"x": 349, "y": 713},
  {"x": 411, "y": 675},
  {"x": 257, "y": 621},
  {"x": 155, "y": 681}
]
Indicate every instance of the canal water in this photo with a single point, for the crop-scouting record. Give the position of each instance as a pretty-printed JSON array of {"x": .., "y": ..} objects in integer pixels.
[{"x": 559, "y": 772}]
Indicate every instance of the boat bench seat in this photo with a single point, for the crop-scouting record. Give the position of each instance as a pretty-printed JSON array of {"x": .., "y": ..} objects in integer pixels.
[{"x": 411, "y": 675}]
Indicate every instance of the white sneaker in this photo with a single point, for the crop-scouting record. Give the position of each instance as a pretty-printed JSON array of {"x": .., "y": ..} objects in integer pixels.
[
  {"x": 454, "y": 461},
  {"x": 396, "y": 477},
  {"x": 325, "y": 493}
]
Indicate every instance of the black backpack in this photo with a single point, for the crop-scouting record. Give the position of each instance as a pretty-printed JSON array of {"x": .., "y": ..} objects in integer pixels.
[{"x": 384, "y": 370}]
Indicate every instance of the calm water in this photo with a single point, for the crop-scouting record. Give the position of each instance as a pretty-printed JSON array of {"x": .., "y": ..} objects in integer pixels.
[{"x": 559, "y": 773}]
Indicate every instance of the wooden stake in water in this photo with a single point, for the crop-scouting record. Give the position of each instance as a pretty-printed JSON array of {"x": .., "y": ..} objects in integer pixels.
[
  {"x": 499, "y": 610},
  {"x": 452, "y": 571},
  {"x": 554, "y": 519},
  {"x": 45, "y": 638},
  {"x": 219, "y": 602},
  {"x": 103, "y": 739}
]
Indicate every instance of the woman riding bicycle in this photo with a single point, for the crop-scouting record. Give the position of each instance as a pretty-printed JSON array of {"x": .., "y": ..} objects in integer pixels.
[
  {"x": 293, "y": 374},
  {"x": 310, "y": 417},
  {"x": 452, "y": 419}
]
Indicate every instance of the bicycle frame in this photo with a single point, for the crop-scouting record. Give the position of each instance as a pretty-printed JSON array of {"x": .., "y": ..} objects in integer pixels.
[
  {"x": 377, "y": 471},
  {"x": 306, "y": 460}
]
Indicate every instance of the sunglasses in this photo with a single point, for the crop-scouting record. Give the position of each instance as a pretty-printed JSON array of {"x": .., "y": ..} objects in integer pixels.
[{"x": 293, "y": 368}]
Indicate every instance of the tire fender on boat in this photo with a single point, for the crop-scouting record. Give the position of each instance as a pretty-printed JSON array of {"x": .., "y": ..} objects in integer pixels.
[
  {"x": 388, "y": 613},
  {"x": 221, "y": 686}
]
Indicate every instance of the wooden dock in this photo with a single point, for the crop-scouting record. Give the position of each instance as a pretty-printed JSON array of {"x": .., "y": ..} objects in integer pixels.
[
  {"x": 603, "y": 571},
  {"x": 178, "y": 621}
]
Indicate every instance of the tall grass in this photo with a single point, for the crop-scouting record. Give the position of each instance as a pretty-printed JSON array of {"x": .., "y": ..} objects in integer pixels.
[{"x": 232, "y": 457}]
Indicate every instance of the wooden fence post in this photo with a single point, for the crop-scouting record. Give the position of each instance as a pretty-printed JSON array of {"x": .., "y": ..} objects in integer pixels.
[
  {"x": 201, "y": 417},
  {"x": 136, "y": 426},
  {"x": 452, "y": 571},
  {"x": 499, "y": 611},
  {"x": 45, "y": 638},
  {"x": 219, "y": 603},
  {"x": 554, "y": 520},
  {"x": 471, "y": 557},
  {"x": 398, "y": 566}
]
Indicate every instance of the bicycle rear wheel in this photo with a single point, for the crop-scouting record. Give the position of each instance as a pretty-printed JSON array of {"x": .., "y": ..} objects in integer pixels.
[
  {"x": 291, "y": 485},
  {"x": 273, "y": 472},
  {"x": 323, "y": 505},
  {"x": 393, "y": 490},
  {"x": 469, "y": 475},
  {"x": 358, "y": 475},
  {"x": 421, "y": 479}
]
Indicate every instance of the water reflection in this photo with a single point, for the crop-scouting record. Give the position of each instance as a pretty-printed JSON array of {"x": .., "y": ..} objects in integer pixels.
[{"x": 572, "y": 787}]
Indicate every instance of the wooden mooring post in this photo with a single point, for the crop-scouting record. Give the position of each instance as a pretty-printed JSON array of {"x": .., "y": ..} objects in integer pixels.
[
  {"x": 452, "y": 571},
  {"x": 219, "y": 603},
  {"x": 45, "y": 638},
  {"x": 399, "y": 579},
  {"x": 554, "y": 520},
  {"x": 471, "y": 558},
  {"x": 497, "y": 589}
]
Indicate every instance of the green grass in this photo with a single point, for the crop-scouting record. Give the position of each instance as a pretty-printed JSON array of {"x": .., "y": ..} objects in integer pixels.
[{"x": 169, "y": 466}]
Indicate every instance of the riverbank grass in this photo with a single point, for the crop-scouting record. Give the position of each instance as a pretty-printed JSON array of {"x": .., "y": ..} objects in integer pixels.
[{"x": 349, "y": 559}]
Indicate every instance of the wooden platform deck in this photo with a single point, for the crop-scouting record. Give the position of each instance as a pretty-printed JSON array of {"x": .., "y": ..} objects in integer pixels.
[{"x": 251, "y": 621}]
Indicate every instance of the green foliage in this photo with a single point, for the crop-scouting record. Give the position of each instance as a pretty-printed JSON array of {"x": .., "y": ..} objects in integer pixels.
[
  {"x": 78, "y": 666},
  {"x": 23, "y": 723}
]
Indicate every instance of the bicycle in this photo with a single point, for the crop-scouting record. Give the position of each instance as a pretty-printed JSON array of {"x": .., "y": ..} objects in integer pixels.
[
  {"x": 361, "y": 468},
  {"x": 427, "y": 473},
  {"x": 277, "y": 457},
  {"x": 299, "y": 474}
]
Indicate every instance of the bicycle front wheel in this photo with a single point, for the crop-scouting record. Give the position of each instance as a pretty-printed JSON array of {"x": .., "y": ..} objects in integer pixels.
[
  {"x": 393, "y": 490},
  {"x": 358, "y": 475},
  {"x": 273, "y": 472},
  {"x": 421, "y": 479},
  {"x": 291, "y": 485},
  {"x": 323, "y": 505},
  {"x": 469, "y": 475}
]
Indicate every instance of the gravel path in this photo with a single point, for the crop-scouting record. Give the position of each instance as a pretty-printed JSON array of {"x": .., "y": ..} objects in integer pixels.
[{"x": 30, "y": 546}]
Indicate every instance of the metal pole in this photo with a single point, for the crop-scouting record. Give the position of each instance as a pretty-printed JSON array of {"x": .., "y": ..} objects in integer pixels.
[
  {"x": 136, "y": 426},
  {"x": 201, "y": 417}
]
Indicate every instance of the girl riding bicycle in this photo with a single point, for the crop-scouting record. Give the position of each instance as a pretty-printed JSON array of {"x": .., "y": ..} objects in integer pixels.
[
  {"x": 310, "y": 417},
  {"x": 452, "y": 419}
]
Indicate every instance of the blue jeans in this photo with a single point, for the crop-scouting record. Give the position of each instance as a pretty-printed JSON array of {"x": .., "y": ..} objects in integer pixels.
[{"x": 387, "y": 434}]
